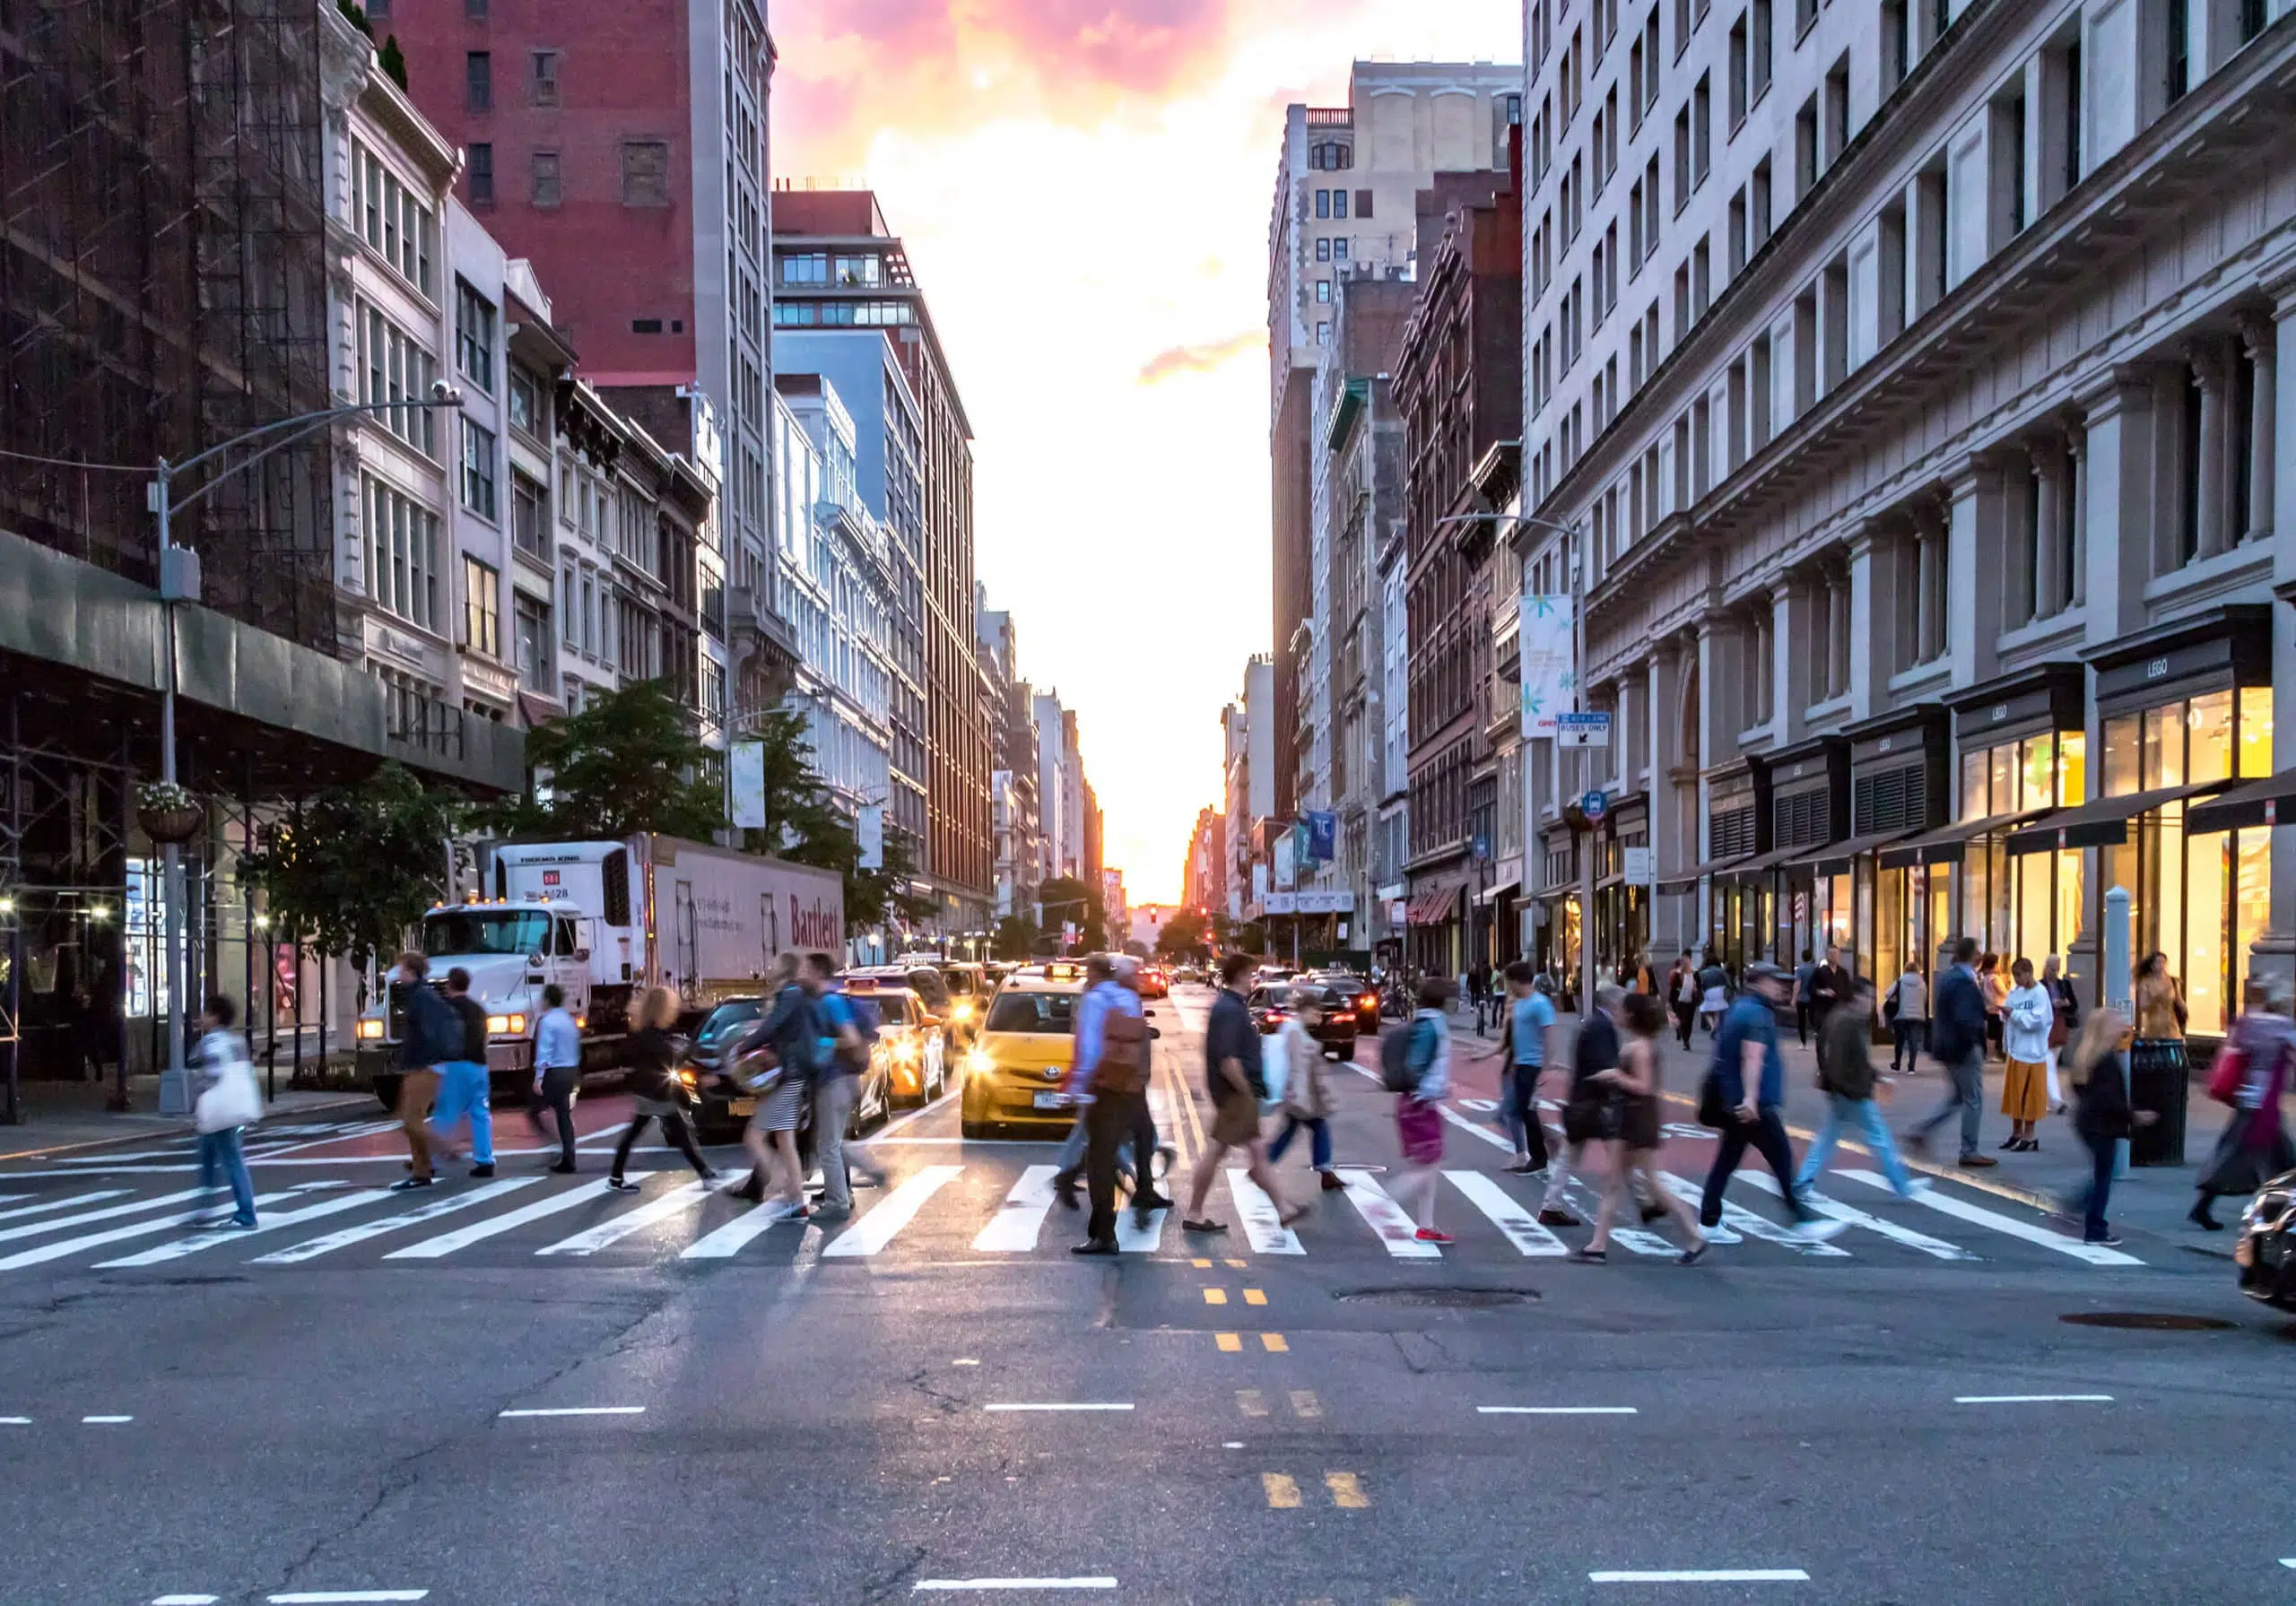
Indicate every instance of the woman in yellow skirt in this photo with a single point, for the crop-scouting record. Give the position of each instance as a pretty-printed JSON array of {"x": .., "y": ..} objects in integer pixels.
[{"x": 2027, "y": 1014}]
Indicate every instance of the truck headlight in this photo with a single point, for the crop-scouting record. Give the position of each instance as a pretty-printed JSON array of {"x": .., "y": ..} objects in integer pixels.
[
  {"x": 370, "y": 1031},
  {"x": 505, "y": 1026}
]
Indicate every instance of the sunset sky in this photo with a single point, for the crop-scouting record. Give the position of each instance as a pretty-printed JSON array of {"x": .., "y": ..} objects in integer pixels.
[{"x": 1084, "y": 187}]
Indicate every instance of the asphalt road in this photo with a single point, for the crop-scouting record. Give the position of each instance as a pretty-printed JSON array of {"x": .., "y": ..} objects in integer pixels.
[{"x": 872, "y": 1412}]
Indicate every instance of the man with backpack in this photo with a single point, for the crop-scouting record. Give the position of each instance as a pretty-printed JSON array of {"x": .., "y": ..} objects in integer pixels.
[
  {"x": 1957, "y": 1027},
  {"x": 1235, "y": 1084},
  {"x": 1111, "y": 1073},
  {"x": 434, "y": 1036},
  {"x": 846, "y": 1038},
  {"x": 464, "y": 1087}
]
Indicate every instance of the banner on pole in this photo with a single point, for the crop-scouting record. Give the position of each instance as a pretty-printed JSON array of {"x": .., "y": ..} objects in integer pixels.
[
  {"x": 745, "y": 772},
  {"x": 1550, "y": 660}
]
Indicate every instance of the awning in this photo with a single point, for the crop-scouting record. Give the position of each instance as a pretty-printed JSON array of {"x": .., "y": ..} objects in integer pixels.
[
  {"x": 1718, "y": 867},
  {"x": 2103, "y": 823},
  {"x": 2257, "y": 803},
  {"x": 1493, "y": 894},
  {"x": 1835, "y": 858},
  {"x": 1761, "y": 864},
  {"x": 1947, "y": 844},
  {"x": 1433, "y": 909},
  {"x": 1677, "y": 886}
]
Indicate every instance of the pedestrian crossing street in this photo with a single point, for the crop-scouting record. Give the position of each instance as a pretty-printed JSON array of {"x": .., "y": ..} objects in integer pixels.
[{"x": 984, "y": 1206}]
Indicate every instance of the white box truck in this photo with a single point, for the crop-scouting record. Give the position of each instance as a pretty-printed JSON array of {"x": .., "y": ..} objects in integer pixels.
[{"x": 605, "y": 920}]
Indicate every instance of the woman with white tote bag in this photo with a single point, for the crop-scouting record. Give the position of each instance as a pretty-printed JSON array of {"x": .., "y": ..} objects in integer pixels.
[{"x": 228, "y": 1099}]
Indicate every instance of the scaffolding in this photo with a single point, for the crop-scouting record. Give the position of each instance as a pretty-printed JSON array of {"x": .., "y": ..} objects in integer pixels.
[{"x": 163, "y": 287}]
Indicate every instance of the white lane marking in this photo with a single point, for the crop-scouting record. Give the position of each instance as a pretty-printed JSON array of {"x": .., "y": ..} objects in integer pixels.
[
  {"x": 923, "y": 1585},
  {"x": 1755, "y": 1574},
  {"x": 1858, "y": 1217},
  {"x": 1264, "y": 1227},
  {"x": 1945, "y": 1204},
  {"x": 727, "y": 1241},
  {"x": 212, "y": 1240},
  {"x": 574, "y": 1410},
  {"x": 185, "y": 1600},
  {"x": 1556, "y": 1410},
  {"x": 58, "y": 1204},
  {"x": 677, "y": 1201},
  {"x": 1110, "y": 1405},
  {"x": 1384, "y": 1217},
  {"x": 2032, "y": 1399},
  {"x": 312, "y": 1248},
  {"x": 109, "y": 1213},
  {"x": 1014, "y": 1228},
  {"x": 345, "y": 1597},
  {"x": 894, "y": 1212},
  {"x": 104, "y": 1421},
  {"x": 1739, "y": 1218},
  {"x": 1476, "y": 1127},
  {"x": 15, "y": 1421},
  {"x": 895, "y": 1124},
  {"x": 1132, "y": 1239},
  {"x": 1522, "y": 1228},
  {"x": 463, "y": 1238},
  {"x": 1583, "y": 1202},
  {"x": 96, "y": 1240}
]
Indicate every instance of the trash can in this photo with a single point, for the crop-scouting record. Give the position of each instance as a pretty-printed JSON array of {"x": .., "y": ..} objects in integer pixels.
[{"x": 2159, "y": 1080}]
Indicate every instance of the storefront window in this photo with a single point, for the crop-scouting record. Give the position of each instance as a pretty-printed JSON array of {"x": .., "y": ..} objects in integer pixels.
[
  {"x": 2251, "y": 854},
  {"x": 1893, "y": 933},
  {"x": 2255, "y": 732},
  {"x": 1975, "y": 792},
  {"x": 2037, "y": 773},
  {"x": 1941, "y": 913},
  {"x": 2205, "y": 969},
  {"x": 2122, "y": 740},
  {"x": 2209, "y": 729},
  {"x": 2073, "y": 768}
]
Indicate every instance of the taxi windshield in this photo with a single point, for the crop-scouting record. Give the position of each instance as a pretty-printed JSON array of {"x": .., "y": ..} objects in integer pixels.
[{"x": 1033, "y": 1012}]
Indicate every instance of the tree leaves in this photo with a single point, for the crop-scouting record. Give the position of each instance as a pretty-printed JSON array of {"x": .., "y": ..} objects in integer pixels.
[{"x": 630, "y": 761}]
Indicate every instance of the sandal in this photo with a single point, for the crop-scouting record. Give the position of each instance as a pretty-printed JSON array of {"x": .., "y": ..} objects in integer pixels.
[{"x": 1590, "y": 1257}]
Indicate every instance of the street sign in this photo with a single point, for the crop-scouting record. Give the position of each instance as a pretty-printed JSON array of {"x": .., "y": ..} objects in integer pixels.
[
  {"x": 1482, "y": 847},
  {"x": 1582, "y": 730},
  {"x": 1594, "y": 805},
  {"x": 1641, "y": 866}
]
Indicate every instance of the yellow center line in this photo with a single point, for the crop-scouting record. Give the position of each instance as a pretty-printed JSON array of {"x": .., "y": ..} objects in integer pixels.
[
  {"x": 1239, "y": 1264},
  {"x": 1255, "y": 1297},
  {"x": 1346, "y": 1491},
  {"x": 1230, "y": 1343},
  {"x": 1201, "y": 1266},
  {"x": 1272, "y": 1342},
  {"x": 1283, "y": 1491},
  {"x": 1215, "y": 1296}
]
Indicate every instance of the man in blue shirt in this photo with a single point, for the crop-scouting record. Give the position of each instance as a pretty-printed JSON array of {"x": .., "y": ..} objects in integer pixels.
[
  {"x": 843, "y": 1057},
  {"x": 1752, "y": 1074},
  {"x": 1529, "y": 1016}
]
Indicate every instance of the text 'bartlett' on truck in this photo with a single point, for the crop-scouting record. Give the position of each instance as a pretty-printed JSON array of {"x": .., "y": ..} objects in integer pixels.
[{"x": 605, "y": 921}]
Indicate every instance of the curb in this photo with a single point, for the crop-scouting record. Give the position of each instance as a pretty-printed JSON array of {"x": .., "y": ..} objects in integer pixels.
[{"x": 349, "y": 1101}]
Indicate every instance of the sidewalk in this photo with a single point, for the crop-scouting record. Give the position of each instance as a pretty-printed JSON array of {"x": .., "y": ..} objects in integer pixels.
[
  {"x": 2151, "y": 1199},
  {"x": 63, "y": 1116}
]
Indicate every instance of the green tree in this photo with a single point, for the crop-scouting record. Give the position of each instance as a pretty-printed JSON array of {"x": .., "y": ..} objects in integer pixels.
[
  {"x": 1065, "y": 899},
  {"x": 353, "y": 869},
  {"x": 392, "y": 62},
  {"x": 630, "y": 761},
  {"x": 1015, "y": 938},
  {"x": 1185, "y": 935}
]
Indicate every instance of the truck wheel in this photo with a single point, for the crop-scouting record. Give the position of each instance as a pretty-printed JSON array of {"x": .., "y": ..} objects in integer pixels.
[{"x": 387, "y": 1091}]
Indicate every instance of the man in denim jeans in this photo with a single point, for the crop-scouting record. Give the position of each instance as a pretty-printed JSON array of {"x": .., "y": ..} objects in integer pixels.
[{"x": 1957, "y": 1037}]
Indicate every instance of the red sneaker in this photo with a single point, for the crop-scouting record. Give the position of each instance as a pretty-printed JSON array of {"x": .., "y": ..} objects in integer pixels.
[{"x": 1428, "y": 1235}]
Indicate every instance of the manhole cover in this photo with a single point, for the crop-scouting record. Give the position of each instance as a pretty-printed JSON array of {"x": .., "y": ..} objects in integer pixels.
[
  {"x": 1438, "y": 1299},
  {"x": 2148, "y": 1321}
]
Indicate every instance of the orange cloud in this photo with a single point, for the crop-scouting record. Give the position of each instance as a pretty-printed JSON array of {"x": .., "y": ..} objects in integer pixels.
[
  {"x": 1203, "y": 359},
  {"x": 850, "y": 69}
]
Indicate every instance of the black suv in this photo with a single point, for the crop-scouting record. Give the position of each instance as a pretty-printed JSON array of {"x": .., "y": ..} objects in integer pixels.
[
  {"x": 1271, "y": 1007},
  {"x": 1356, "y": 997}
]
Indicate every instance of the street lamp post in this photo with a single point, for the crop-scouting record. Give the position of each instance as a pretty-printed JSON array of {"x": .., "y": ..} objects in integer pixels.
[{"x": 179, "y": 582}]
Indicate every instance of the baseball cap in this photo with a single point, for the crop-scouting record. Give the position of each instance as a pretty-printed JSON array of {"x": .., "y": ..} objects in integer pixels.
[{"x": 1763, "y": 970}]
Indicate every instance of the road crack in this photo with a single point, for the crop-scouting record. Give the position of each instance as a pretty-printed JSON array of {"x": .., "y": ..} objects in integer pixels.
[{"x": 886, "y": 1588}]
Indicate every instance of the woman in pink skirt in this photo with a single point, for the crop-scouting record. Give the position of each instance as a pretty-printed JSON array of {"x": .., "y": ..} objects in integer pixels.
[{"x": 1419, "y": 1114}]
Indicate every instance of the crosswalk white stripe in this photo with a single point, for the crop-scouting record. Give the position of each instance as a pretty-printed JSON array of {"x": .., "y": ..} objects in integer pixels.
[
  {"x": 1911, "y": 1239},
  {"x": 55, "y": 1204},
  {"x": 1384, "y": 1217},
  {"x": 894, "y": 1212},
  {"x": 96, "y": 1240},
  {"x": 1936, "y": 1199},
  {"x": 312, "y": 1248},
  {"x": 1522, "y": 1229},
  {"x": 1264, "y": 1227},
  {"x": 1014, "y": 1228},
  {"x": 1474, "y": 1128},
  {"x": 726, "y": 1242},
  {"x": 1132, "y": 1239},
  {"x": 1584, "y": 1203},
  {"x": 1739, "y": 1218},
  {"x": 193, "y": 1246},
  {"x": 109, "y": 1213},
  {"x": 608, "y": 1233},
  {"x": 463, "y": 1238}
]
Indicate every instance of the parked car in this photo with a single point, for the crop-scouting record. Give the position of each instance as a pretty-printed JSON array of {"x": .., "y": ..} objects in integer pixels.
[
  {"x": 1271, "y": 1007},
  {"x": 2266, "y": 1250}
]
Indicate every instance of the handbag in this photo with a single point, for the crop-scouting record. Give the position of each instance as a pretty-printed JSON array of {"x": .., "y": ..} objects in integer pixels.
[
  {"x": 1714, "y": 1110},
  {"x": 1274, "y": 1069},
  {"x": 234, "y": 1099},
  {"x": 2227, "y": 1072},
  {"x": 1890, "y": 1005}
]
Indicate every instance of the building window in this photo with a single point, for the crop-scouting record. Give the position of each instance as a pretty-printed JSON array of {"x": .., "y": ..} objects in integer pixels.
[
  {"x": 645, "y": 172},
  {"x": 478, "y": 468},
  {"x": 393, "y": 368},
  {"x": 475, "y": 10},
  {"x": 478, "y": 79},
  {"x": 543, "y": 187},
  {"x": 810, "y": 269},
  {"x": 392, "y": 220},
  {"x": 529, "y": 516},
  {"x": 1323, "y": 335},
  {"x": 526, "y": 400},
  {"x": 1323, "y": 250},
  {"x": 542, "y": 77},
  {"x": 401, "y": 555},
  {"x": 568, "y": 612},
  {"x": 474, "y": 336},
  {"x": 1339, "y": 247},
  {"x": 530, "y": 620},
  {"x": 481, "y": 609},
  {"x": 1323, "y": 290},
  {"x": 482, "y": 174},
  {"x": 1323, "y": 203}
]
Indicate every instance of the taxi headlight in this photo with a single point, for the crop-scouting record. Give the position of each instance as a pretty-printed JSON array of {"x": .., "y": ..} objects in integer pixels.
[
  {"x": 979, "y": 1063},
  {"x": 962, "y": 1010},
  {"x": 906, "y": 1051},
  {"x": 370, "y": 1031}
]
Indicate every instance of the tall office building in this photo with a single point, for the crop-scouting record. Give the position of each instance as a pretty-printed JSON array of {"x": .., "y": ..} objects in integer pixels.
[
  {"x": 623, "y": 148},
  {"x": 838, "y": 265}
]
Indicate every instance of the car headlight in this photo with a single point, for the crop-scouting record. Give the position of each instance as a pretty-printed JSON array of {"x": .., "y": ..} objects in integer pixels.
[
  {"x": 370, "y": 1031},
  {"x": 686, "y": 1077}
]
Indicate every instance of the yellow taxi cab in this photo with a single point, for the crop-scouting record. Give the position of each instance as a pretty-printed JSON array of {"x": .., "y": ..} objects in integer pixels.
[
  {"x": 1014, "y": 1069},
  {"x": 909, "y": 1054},
  {"x": 968, "y": 988}
]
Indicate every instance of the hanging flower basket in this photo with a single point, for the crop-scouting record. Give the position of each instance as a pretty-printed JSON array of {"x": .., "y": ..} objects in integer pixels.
[{"x": 167, "y": 812}]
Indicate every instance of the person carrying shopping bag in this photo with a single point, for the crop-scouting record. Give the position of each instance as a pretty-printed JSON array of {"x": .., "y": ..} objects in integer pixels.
[
  {"x": 1307, "y": 1087},
  {"x": 225, "y": 1098}
]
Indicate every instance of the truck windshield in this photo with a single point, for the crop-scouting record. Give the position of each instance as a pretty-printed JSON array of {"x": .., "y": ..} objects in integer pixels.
[{"x": 467, "y": 930}]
